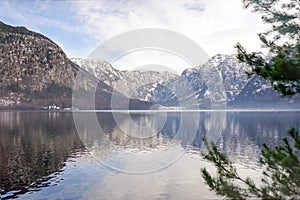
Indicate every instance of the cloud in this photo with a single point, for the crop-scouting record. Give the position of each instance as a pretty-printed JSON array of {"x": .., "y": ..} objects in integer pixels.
[
  {"x": 80, "y": 26},
  {"x": 106, "y": 19},
  {"x": 194, "y": 6},
  {"x": 53, "y": 19},
  {"x": 214, "y": 24},
  {"x": 148, "y": 58}
]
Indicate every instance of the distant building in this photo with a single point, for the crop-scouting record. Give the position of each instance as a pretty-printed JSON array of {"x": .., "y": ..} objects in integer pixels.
[{"x": 51, "y": 107}]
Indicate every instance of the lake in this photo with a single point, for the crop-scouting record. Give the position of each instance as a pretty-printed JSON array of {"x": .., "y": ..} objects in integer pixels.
[{"x": 120, "y": 155}]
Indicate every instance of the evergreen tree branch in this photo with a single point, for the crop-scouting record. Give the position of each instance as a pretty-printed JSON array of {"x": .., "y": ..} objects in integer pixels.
[{"x": 280, "y": 179}]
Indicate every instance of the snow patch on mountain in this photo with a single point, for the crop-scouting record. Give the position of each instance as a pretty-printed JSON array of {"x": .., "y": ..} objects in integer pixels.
[
  {"x": 222, "y": 79},
  {"x": 133, "y": 84}
]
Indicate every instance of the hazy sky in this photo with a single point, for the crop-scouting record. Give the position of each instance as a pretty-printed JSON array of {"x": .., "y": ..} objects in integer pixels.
[{"x": 80, "y": 26}]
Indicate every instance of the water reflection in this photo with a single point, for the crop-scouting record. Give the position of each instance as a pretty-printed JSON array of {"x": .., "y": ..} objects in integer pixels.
[
  {"x": 151, "y": 140},
  {"x": 37, "y": 146},
  {"x": 33, "y": 146},
  {"x": 245, "y": 132}
]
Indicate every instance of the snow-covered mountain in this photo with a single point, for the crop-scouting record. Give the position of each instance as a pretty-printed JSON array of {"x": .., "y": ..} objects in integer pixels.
[
  {"x": 258, "y": 93},
  {"x": 133, "y": 84},
  {"x": 222, "y": 78},
  {"x": 233, "y": 74},
  {"x": 36, "y": 73}
]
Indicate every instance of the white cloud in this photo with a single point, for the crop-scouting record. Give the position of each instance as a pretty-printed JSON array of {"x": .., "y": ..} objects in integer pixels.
[
  {"x": 145, "y": 59},
  {"x": 216, "y": 25}
]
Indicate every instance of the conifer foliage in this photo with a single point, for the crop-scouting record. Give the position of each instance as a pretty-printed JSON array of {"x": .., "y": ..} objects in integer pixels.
[
  {"x": 282, "y": 40},
  {"x": 281, "y": 176}
]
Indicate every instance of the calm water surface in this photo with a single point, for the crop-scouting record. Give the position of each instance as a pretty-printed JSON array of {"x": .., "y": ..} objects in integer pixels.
[{"x": 45, "y": 155}]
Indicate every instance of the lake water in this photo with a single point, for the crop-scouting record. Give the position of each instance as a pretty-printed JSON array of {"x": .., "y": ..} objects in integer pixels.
[{"x": 155, "y": 155}]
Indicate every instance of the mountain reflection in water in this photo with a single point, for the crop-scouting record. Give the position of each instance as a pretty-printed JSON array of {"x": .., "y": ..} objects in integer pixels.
[
  {"x": 34, "y": 145},
  {"x": 37, "y": 147}
]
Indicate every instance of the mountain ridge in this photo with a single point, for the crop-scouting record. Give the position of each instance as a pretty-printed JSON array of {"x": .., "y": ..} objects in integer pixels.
[
  {"x": 133, "y": 84},
  {"x": 242, "y": 91},
  {"x": 35, "y": 72}
]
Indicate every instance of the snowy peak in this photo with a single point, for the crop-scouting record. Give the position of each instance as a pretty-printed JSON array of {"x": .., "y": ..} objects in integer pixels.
[
  {"x": 222, "y": 79},
  {"x": 221, "y": 74},
  {"x": 234, "y": 76},
  {"x": 133, "y": 84},
  {"x": 201, "y": 86},
  {"x": 99, "y": 68}
]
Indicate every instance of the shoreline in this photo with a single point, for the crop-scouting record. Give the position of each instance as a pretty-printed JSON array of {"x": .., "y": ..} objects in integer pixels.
[{"x": 153, "y": 111}]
